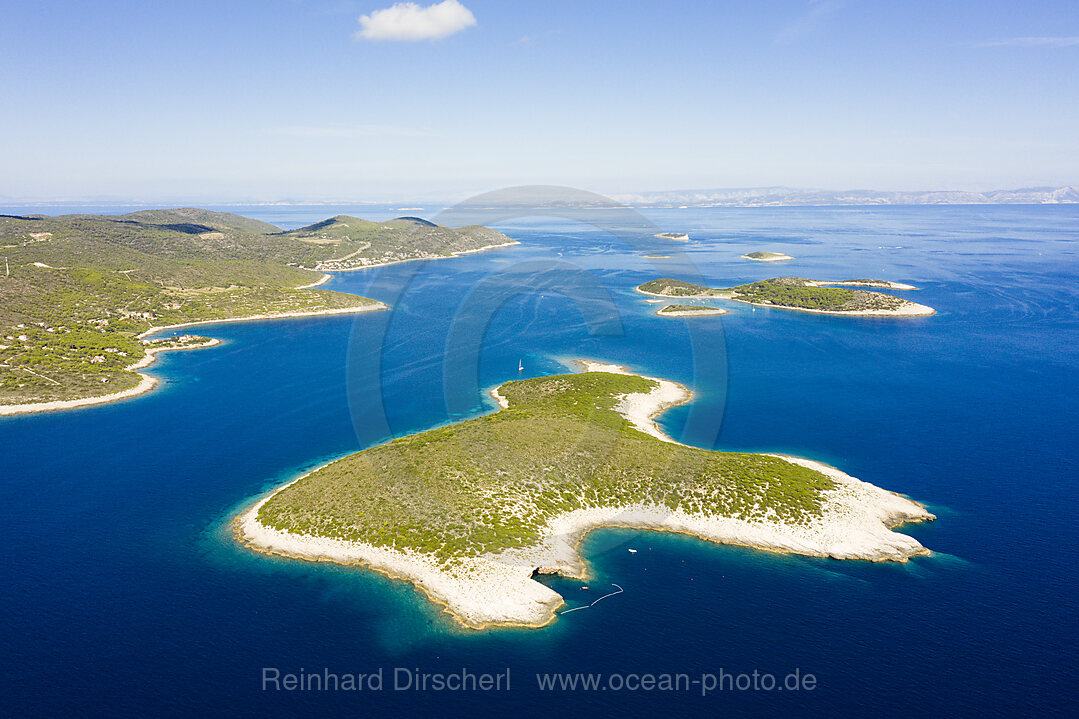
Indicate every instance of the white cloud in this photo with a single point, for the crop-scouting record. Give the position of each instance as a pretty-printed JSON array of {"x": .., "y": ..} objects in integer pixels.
[
  {"x": 1033, "y": 42},
  {"x": 409, "y": 22}
]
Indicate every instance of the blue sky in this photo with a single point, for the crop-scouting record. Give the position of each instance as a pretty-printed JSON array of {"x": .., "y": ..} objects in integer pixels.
[{"x": 280, "y": 99}]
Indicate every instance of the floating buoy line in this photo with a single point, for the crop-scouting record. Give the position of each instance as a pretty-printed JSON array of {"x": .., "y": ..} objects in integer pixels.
[{"x": 586, "y": 606}]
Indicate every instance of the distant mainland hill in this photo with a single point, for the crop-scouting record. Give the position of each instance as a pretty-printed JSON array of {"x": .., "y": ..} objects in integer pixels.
[
  {"x": 774, "y": 196},
  {"x": 80, "y": 293},
  {"x": 789, "y": 196}
]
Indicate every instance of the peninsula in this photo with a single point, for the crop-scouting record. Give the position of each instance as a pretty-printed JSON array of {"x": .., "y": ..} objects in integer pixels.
[
  {"x": 79, "y": 294},
  {"x": 766, "y": 256},
  {"x": 348, "y": 243},
  {"x": 798, "y": 293},
  {"x": 471, "y": 512}
]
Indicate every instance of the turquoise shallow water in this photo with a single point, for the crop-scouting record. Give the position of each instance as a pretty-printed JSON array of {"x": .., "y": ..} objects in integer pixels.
[{"x": 124, "y": 594}]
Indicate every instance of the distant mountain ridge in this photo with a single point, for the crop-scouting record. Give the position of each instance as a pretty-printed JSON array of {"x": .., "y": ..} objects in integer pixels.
[
  {"x": 354, "y": 243},
  {"x": 788, "y": 196},
  {"x": 196, "y": 216}
]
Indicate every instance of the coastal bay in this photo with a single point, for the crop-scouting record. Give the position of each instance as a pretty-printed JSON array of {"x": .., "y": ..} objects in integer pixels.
[{"x": 82, "y": 292}]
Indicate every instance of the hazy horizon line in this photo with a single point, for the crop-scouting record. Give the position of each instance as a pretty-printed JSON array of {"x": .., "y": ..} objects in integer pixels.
[{"x": 453, "y": 198}]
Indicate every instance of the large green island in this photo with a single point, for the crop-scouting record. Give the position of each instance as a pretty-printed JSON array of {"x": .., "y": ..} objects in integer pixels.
[
  {"x": 798, "y": 293},
  {"x": 471, "y": 512},
  {"x": 80, "y": 293}
]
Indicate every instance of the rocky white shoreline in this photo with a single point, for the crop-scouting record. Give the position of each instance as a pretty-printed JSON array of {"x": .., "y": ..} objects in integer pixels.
[
  {"x": 499, "y": 589},
  {"x": 879, "y": 284},
  {"x": 910, "y": 309},
  {"x": 317, "y": 283},
  {"x": 703, "y": 312},
  {"x": 369, "y": 307},
  {"x": 373, "y": 265},
  {"x": 148, "y": 382},
  {"x": 769, "y": 257},
  {"x": 669, "y": 298}
]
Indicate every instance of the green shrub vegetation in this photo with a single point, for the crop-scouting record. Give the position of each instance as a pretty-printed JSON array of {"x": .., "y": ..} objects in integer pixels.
[
  {"x": 792, "y": 295},
  {"x": 675, "y": 288},
  {"x": 492, "y": 483},
  {"x": 686, "y": 308},
  {"x": 344, "y": 242},
  {"x": 77, "y": 288},
  {"x": 790, "y": 292}
]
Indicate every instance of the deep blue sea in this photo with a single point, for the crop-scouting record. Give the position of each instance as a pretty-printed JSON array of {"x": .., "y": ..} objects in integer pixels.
[{"x": 122, "y": 592}]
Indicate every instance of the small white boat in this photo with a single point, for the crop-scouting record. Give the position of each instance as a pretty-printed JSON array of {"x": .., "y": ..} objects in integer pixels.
[
  {"x": 633, "y": 551},
  {"x": 520, "y": 366}
]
